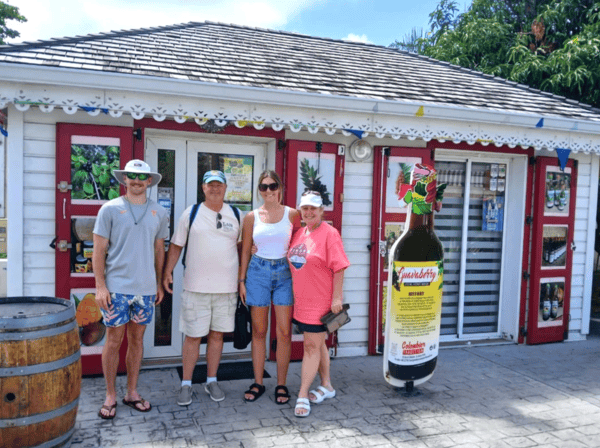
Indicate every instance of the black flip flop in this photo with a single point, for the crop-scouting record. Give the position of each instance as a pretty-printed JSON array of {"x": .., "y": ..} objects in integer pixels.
[
  {"x": 109, "y": 409},
  {"x": 284, "y": 394},
  {"x": 255, "y": 395}
]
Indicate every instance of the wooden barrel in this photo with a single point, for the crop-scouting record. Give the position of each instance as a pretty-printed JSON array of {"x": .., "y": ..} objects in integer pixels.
[{"x": 40, "y": 371}]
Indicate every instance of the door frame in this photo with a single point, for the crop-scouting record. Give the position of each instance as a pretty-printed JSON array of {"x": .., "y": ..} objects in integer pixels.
[{"x": 188, "y": 186}]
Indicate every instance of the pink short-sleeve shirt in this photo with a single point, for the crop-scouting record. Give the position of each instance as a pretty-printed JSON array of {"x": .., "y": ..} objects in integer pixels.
[{"x": 314, "y": 258}]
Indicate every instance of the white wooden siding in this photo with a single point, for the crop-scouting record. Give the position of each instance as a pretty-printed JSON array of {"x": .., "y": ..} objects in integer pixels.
[
  {"x": 39, "y": 185},
  {"x": 356, "y": 234},
  {"x": 583, "y": 209}
]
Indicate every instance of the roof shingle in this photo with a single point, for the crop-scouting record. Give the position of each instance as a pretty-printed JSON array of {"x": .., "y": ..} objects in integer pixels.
[{"x": 236, "y": 55}]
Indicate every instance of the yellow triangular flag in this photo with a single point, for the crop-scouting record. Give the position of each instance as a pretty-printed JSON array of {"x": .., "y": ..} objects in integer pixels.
[{"x": 420, "y": 112}]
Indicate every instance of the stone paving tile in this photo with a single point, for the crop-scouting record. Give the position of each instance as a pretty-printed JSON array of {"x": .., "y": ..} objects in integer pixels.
[{"x": 508, "y": 402}]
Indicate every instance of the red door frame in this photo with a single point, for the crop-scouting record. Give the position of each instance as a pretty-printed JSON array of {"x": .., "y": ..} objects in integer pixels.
[
  {"x": 536, "y": 334},
  {"x": 230, "y": 130},
  {"x": 377, "y": 234},
  {"x": 431, "y": 146},
  {"x": 64, "y": 282},
  {"x": 335, "y": 216}
]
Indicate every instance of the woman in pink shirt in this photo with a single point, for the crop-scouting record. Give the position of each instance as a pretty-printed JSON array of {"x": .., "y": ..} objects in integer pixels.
[{"x": 317, "y": 262}]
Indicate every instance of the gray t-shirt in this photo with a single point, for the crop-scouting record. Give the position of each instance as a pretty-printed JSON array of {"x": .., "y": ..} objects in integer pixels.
[{"x": 130, "y": 259}]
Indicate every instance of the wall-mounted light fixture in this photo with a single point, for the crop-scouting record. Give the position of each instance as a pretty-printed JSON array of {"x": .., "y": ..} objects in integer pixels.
[{"x": 360, "y": 150}]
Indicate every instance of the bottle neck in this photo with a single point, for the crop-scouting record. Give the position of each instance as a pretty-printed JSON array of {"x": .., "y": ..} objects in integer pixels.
[{"x": 425, "y": 220}]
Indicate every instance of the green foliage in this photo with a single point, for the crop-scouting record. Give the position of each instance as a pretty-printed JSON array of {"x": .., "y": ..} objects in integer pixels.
[
  {"x": 312, "y": 181},
  {"x": 91, "y": 172},
  {"x": 7, "y": 13},
  {"x": 552, "y": 45}
]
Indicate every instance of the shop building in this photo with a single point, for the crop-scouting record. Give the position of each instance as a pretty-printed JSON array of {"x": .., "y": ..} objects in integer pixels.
[{"x": 519, "y": 214}]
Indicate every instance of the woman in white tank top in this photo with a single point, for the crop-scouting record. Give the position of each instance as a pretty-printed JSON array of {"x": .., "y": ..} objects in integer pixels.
[{"x": 265, "y": 278}]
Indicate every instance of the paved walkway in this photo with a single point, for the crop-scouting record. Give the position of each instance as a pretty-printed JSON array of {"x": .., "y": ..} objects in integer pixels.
[{"x": 495, "y": 396}]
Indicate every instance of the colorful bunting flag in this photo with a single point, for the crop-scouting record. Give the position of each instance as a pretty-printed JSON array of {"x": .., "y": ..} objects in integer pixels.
[{"x": 563, "y": 156}]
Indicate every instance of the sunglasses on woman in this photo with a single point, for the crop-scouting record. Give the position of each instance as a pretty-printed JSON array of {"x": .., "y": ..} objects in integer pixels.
[
  {"x": 265, "y": 187},
  {"x": 140, "y": 176}
]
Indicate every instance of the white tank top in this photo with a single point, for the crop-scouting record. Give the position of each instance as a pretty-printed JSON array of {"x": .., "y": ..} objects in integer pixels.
[{"x": 272, "y": 240}]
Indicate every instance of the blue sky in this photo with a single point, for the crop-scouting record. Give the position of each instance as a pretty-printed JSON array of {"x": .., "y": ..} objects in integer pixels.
[{"x": 375, "y": 21}]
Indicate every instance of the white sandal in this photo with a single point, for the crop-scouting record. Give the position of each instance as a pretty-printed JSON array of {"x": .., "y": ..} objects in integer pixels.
[
  {"x": 302, "y": 403},
  {"x": 322, "y": 396}
]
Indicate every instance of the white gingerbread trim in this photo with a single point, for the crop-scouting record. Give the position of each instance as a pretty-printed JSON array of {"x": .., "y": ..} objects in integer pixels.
[{"x": 380, "y": 118}]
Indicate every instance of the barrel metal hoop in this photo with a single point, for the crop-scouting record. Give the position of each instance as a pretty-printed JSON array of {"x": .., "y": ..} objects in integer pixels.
[
  {"x": 54, "y": 442},
  {"x": 29, "y": 335},
  {"x": 40, "y": 368},
  {"x": 38, "y": 418},
  {"x": 39, "y": 321}
]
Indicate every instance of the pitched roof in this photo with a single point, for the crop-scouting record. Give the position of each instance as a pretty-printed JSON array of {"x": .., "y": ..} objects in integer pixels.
[{"x": 244, "y": 56}]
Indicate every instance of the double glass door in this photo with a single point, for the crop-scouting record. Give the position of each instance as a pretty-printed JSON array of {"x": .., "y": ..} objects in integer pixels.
[
  {"x": 471, "y": 227},
  {"x": 182, "y": 163}
]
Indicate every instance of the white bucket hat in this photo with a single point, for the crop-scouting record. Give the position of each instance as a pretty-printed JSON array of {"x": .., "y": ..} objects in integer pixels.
[{"x": 137, "y": 166}]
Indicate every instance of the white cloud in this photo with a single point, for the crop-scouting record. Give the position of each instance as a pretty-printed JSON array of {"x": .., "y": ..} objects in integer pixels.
[
  {"x": 60, "y": 18},
  {"x": 356, "y": 38}
]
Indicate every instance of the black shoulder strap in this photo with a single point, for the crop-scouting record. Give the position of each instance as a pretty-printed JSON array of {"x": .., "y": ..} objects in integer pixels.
[
  {"x": 193, "y": 213},
  {"x": 236, "y": 212}
]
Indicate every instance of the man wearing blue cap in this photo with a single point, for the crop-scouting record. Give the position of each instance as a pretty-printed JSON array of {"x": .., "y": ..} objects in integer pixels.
[{"x": 210, "y": 284}]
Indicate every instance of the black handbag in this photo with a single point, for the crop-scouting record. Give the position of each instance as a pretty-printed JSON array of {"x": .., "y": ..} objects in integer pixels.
[
  {"x": 333, "y": 321},
  {"x": 242, "y": 333}
]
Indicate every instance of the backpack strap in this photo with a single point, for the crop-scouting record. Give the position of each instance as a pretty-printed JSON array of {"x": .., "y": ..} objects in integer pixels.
[
  {"x": 236, "y": 212},
  {"x": 193, "y": 213}
]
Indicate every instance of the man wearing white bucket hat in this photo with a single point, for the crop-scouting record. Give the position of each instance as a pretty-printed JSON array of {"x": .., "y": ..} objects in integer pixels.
[{"x": 129, "y": 255}]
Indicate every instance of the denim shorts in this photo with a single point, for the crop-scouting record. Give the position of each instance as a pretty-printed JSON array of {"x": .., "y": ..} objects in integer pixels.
[
  {"x": 269, "y": 280},
  {"x": 127, "y": 307}
]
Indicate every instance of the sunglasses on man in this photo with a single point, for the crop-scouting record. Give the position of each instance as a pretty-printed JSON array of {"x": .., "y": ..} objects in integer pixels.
[
  {"x": 265, "y": 187},
  {"x": 140, "y": 176}
]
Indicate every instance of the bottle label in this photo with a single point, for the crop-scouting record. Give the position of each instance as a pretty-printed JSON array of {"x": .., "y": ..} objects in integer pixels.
[
  {"x": 423, "y": 193},
  {"x": 415, "y": 312}
]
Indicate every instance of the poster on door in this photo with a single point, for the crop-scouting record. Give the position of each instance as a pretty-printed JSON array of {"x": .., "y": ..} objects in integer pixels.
[
  {"x": 558, "y": 191},
  {"x": 92, "y": 331},
  {"x": 82, "y": 245},
  {"x": 238, "y": 172},
  {"x": 554, "y": 246},
  {"x": 552, "y": 294},
  {"x": 93, "y": 160},
  {"x": 393, "y": 230},
  {"x": 398, "y": 179},
  {"x": 493, "y": 214},
  {"x": 316, "y": 172}
]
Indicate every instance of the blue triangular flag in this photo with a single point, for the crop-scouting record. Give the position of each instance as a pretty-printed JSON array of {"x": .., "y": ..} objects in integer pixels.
[
  {"x": 359, "y": 134},
  {"x": 88, "y": 108},
  {"x": 540, "y": 123},
  {"x": 563, "y": 156},
  {"x": 3, "y": 131}
]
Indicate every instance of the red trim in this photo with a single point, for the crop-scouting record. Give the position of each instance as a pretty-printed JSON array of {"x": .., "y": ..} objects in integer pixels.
[
  {"x": 335, "y": 216},
  {"x": 296, "y": 146},
  {"x": 91, "y": 364},
  {"x": 434, "y": 144},
  {"x": 190, "y": 126},
  {"x": 526, "y": 248},
  {"x": 536, "y": 334},
  {"x": 378, "y": 219}
]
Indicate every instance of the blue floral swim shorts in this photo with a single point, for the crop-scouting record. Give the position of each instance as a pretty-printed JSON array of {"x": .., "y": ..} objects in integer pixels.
[{"x": 128, "y": 307}]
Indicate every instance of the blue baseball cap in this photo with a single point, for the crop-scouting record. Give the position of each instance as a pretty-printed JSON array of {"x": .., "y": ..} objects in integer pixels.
[{"x": 211, "y": 175}]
